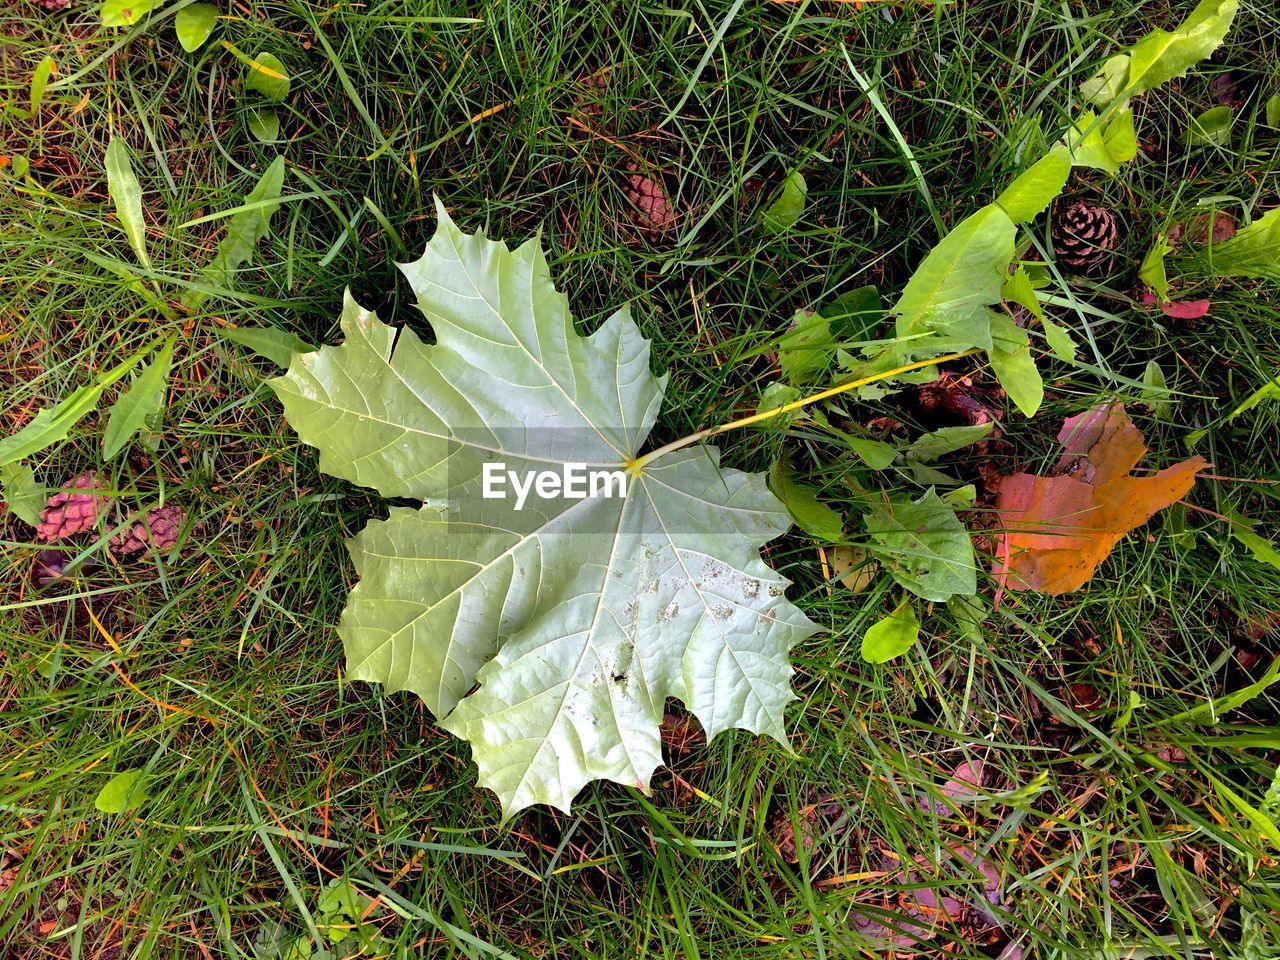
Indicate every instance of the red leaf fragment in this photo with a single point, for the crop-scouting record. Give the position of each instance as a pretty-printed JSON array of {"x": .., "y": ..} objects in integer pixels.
[
  {"x": 1185, "y": 309},
  {"x": 1178, "y": 309}
]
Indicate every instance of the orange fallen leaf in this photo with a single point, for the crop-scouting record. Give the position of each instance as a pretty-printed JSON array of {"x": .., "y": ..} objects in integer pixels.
[{"x": 1059, "y": 528}]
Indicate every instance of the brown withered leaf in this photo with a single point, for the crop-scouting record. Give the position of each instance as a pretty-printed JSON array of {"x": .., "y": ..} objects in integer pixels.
[
  {"x": 1057, "y": 529},
  {"x": 680, "y": 732},
  {"x": 814, "y": 821},
  {"x": 1197, "y": 231},
  {"x": 959, "y": 892}
]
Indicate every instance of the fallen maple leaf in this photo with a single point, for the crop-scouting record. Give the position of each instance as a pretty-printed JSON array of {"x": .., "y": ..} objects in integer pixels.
[{"x": 1057, "y": 529}]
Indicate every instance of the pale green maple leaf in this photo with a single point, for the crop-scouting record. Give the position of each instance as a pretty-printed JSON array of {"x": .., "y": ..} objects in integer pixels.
[{"x": 548, "y": 637}]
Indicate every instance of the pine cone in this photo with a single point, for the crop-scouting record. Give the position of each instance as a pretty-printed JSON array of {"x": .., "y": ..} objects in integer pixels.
[
  {"x": 52, "y": 5},
  {"x": 648, "y": 197},
  {"x": 158, "y": 530},
  {"x": 69, "y": 511},
  {"x": 1084, "y": 236}
]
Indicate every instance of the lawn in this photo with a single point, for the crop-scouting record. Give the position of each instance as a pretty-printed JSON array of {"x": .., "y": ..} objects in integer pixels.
[{"x": 1085, "y": 775}]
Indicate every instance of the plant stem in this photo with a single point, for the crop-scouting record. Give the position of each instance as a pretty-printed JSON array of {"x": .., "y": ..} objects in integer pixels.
[{"x": 638, "y": 464}]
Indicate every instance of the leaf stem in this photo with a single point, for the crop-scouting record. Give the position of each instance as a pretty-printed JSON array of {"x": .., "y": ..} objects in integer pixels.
[{"x": 638, "y": 464}]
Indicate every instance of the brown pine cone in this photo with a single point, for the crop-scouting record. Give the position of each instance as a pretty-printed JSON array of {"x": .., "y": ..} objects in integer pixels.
[
  {"x": 158, "y": 530},
  {"x": 653, "y": 212},
  {"x": 1085, "y": 236},
  {"x": 69, "y": 511}
]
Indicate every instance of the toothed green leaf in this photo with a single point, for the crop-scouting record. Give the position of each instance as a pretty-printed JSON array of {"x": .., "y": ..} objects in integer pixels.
[
  {"x": 1253, "y": 252},
  {"x": 549, "y": 636},
  {"x": 1035, "y": 188},
  {"x": 954, "y": 285},
  {"x": 140, "y": 401},
  {"x": 23, "y": 493},
  {"x": 1019, "y": 288},
  {"x": 1013, "y": 365},
  {"x": 1152, "y": 270},
  {"x": 925, "y": 547},
  {"x": 807, "y": 350},
  {"x": 1162, "y": 55},
  {"x": 1103, "y": 146}
]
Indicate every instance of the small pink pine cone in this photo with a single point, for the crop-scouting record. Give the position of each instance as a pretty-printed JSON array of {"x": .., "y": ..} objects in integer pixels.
[
  {"x": 158, "y": 532},
  {"x": 77, "y": 508},
  {"x": 652, "y": 211}
]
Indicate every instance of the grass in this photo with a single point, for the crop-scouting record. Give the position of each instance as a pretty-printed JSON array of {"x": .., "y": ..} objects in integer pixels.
[{"x": 217, "y": 669}]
